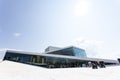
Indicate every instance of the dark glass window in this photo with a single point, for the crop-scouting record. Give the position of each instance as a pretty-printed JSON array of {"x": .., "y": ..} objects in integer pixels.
[
  {"x": 53, "y": 62},
  {"x": 17, "y": 57},
  {"x": 67, "y": 51},
  {"x": 25, "y": 58},
  {"x": 72, "y": 51},
  {"x": 79, "y": 52}
]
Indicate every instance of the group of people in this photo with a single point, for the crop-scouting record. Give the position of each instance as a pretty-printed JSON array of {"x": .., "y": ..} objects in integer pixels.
[{"x": 95, "y": 65}]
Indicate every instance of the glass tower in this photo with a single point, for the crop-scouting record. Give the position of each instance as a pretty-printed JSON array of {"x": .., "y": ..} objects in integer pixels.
[{"x": 70, "y": 51}]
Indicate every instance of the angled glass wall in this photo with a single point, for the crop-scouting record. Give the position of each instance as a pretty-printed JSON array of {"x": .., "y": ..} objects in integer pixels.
[
  {"x": 26, "y": 58},
  {"x": 44, "y": 61},
  {"x": 67, "y": 51},
  {"x": 48, "y": 61},
  {"x": 71, "y": 51},
  {"x": 79, "y": 52}
]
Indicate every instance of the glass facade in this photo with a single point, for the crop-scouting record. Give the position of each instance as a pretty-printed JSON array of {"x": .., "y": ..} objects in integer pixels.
[
  {"x": 54, "y": 62},
  {"x": 71, "y": 51},
  {"x": 67, "y": 51},
  {"x": 49, "y": 61},
  {"x": 79, "y": 52},
  {"x": 26, "y": 58},
  {"x": 44, "y": 61}
]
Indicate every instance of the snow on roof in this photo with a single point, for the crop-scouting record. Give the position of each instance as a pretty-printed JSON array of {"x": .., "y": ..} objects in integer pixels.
[{"x": 18, "y": 71}]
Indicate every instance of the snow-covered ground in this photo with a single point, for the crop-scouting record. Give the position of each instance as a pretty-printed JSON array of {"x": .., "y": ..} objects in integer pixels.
[{"x": 18, "y": 71}]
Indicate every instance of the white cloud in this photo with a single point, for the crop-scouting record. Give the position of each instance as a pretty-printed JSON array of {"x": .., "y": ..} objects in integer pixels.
[
  {"x": 96, "y": 48},
  {"x": 17, "y": 34},
  {"x": 82, "y": 7},
  {"x": 92, "y": 47},
  {"x": 79, "y": 40}
]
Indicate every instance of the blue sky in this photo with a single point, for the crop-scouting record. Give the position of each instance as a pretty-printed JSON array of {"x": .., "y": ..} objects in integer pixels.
[{"x": 32, "y": 25}]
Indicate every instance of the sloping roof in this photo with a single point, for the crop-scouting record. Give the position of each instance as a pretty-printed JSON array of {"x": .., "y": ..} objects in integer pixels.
[
  {"x": 62, "y": 56},
  {"x": 17, "y": 71}
]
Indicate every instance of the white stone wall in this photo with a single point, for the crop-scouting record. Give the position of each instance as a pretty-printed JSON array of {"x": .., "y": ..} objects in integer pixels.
[{"x": 2, "y": 54}]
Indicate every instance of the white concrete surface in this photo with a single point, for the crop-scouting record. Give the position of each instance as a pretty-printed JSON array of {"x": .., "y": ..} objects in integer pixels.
[
  {"x": 18, "y": 71},
  {"x": 2, "y": 54}
]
